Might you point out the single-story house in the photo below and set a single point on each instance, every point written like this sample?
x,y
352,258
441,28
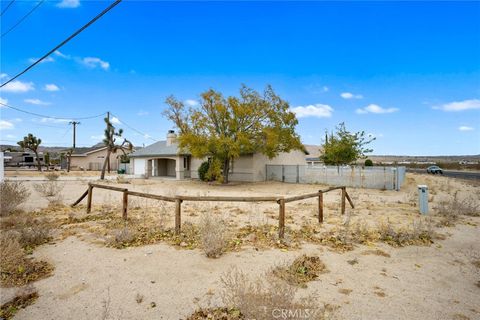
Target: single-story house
x,y
165,159
93,158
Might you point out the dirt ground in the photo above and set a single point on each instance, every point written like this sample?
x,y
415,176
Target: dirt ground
x,y
93,280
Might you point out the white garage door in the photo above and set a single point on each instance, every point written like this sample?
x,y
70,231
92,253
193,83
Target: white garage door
x,y
139,167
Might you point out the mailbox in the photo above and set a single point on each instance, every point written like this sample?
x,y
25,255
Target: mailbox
x,y
423,198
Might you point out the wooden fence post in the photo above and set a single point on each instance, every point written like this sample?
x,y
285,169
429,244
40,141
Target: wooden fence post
x,y
343,199
178,213
125,204
320,207
89,198
281,218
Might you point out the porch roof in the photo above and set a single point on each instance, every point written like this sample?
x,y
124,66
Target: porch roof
x,y
158,149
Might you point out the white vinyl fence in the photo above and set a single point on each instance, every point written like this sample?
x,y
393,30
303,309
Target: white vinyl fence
x,y
384,178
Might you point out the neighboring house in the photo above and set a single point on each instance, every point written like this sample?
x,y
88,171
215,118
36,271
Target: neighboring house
x,y
312,157
93,158
165,159
21,159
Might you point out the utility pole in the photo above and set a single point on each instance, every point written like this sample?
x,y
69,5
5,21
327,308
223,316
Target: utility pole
x,y
74,123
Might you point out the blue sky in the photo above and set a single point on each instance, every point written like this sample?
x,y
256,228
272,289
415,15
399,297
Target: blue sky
x,y
405,72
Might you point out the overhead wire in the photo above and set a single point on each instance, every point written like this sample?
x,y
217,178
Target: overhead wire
x,y
6,8
23,18
147,136
111,6
51,117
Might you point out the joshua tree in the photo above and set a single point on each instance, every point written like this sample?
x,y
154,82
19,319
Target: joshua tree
x,y
31,142
110,142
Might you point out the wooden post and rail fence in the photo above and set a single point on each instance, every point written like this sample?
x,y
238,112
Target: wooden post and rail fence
x,y
178,200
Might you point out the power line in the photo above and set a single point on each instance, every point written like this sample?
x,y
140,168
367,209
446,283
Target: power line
x,y
51,117
6,8
137,131
64,41
23,18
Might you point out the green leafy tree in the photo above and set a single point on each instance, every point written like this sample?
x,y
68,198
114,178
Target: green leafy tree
x,y
224,128
110,141
344,147
32,143
368,163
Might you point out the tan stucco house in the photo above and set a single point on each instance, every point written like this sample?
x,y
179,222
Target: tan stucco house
x,y
93,158
165,159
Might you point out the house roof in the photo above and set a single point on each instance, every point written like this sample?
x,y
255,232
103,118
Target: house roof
x,y
159,148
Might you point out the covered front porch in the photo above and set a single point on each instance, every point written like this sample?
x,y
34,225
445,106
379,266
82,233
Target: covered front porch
x,y
168,167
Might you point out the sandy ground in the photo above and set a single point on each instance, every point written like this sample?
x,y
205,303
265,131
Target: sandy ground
x,y
92,281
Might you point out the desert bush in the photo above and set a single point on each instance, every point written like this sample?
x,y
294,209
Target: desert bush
x,y
219,313
419,233
31,231
202,170
51,190
260,298
16,268
23,298
368,163
451,210
302,270
213,236
52,176
13,194
122,237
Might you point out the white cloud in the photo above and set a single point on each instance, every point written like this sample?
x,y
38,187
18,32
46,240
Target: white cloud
x,y
348,95
51,87
61,55
115,120
325,89
51,120
465,128
6,125
3,75
317,110
191,102
93,62
68,4
18,87
373,108
11,136
47,59
96,138
37,102
4,101
142,113
471,104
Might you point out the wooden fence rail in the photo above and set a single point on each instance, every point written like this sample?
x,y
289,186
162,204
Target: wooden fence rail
x,y
178,200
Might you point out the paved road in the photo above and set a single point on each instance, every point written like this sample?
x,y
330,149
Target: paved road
x,y
469,175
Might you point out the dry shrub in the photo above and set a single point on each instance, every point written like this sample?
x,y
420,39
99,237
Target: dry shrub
x,y
13,194
23,298
219,313
51,190
451,210
213,236
16,268
302,270
267,297
52,176
122,238
419,233
31,231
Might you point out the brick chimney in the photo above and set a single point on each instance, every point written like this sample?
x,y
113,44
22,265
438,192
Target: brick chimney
x,y
171,137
